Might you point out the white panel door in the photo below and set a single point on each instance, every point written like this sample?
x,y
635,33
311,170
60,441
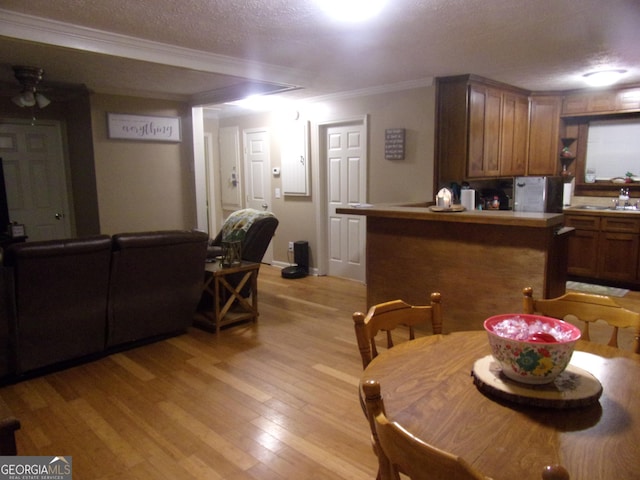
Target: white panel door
x,y
230,186
35,179
257,161
346,175
257,168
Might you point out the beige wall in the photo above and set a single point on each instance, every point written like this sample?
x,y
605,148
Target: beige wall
x,y
389,181
142,185
150,185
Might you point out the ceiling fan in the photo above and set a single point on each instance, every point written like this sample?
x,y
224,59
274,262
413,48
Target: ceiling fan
x,y
29,78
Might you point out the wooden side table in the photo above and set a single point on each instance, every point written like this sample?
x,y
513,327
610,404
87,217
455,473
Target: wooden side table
x,y
217,283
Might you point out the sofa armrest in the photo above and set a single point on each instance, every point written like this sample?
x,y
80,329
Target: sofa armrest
x,y
8,427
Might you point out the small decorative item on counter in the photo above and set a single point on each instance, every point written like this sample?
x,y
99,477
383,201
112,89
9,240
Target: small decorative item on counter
x,y
444,198
495,203
628,177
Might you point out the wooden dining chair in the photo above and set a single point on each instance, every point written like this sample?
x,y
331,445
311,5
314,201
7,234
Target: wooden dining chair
x,y
587,308
390,315
400,451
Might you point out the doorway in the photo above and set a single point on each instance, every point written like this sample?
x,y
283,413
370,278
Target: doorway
x,y
35,178
344,149
257,173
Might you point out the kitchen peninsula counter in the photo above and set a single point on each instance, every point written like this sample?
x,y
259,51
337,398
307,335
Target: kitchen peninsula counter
x,y
478,260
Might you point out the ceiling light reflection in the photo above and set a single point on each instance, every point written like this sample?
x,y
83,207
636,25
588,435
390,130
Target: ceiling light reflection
x,y
604,77
352,10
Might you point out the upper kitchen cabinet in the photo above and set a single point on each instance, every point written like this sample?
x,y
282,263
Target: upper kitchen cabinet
x,y
484,131
481,129
515,125
601,102
544,139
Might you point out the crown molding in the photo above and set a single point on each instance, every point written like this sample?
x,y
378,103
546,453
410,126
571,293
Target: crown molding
x,y
52,32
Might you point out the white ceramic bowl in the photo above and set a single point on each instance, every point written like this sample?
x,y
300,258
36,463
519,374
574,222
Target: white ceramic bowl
x,y
531,348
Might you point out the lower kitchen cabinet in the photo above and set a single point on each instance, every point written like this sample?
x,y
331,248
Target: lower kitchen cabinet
x,y
604,247
618,259
583,254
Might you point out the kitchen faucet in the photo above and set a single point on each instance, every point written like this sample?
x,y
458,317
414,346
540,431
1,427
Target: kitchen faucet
x,y
624,197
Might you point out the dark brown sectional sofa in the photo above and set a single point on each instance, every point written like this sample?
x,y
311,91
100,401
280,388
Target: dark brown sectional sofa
x,y
65,301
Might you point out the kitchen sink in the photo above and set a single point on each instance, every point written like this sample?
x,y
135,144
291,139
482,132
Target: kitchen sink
x,y
591,207
626,209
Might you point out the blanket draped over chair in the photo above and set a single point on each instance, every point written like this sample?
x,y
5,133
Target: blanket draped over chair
x,y
238,223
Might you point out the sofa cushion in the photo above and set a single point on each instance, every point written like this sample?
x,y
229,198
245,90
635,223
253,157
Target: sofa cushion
x,y
60,308
156,282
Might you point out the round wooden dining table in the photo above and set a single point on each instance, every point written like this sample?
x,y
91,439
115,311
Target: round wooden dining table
x,y
427,387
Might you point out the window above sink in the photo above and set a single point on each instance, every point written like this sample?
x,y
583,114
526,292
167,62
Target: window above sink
x,y
613,160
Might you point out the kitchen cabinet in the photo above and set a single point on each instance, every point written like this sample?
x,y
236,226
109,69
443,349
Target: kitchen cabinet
x,y
622,100
583,245
484,131
589,102
544,138
514,133
481,129
604,247
628,100
618,245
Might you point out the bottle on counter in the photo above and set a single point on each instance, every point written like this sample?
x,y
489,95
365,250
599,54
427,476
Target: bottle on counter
x,y
495,203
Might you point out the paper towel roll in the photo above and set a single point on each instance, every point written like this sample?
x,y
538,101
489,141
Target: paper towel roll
x,y
566,194
468,198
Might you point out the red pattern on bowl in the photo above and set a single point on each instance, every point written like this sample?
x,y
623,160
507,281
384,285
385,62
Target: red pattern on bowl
x,y
526,361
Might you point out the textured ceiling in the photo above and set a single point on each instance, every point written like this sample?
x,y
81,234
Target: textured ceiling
x,y
537,45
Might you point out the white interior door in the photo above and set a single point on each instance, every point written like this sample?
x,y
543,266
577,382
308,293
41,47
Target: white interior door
x,y
257,161
35,178
346,177
230,161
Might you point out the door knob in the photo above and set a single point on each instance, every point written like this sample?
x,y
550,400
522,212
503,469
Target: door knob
x,y
265,206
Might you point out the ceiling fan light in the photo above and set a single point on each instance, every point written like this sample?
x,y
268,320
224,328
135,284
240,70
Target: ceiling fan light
x,y
25,99
41,100
29,99
603,78
18,100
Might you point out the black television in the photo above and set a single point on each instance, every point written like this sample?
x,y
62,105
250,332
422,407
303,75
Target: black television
x,y
4,205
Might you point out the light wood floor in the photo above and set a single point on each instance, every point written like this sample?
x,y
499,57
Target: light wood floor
x,y
271,401
276,400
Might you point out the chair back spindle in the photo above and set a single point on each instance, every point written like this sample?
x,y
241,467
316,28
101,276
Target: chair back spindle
x,y
586,308
387,316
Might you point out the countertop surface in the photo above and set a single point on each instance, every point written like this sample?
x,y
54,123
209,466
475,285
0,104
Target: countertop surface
x,y
421,211
599,210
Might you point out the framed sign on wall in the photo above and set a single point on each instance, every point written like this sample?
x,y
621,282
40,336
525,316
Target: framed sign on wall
x,y
143,127
394,141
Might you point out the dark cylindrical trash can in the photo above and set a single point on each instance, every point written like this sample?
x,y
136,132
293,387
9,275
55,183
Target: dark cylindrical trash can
x,y
301,254
301,260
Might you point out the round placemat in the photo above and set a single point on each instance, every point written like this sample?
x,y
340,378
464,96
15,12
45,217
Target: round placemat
x,y
452,208
574,387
